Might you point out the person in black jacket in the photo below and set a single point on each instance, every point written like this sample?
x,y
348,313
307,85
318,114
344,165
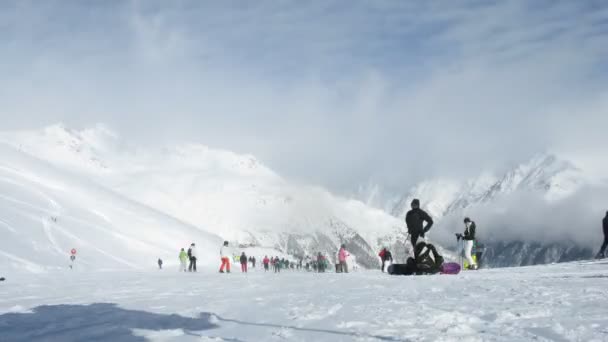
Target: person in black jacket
x,y
605,244
469,239
243,263
415,219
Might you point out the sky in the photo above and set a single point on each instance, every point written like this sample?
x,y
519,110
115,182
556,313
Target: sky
x,y
335,93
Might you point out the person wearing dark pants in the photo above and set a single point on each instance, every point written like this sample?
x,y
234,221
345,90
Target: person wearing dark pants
x,y
192,256
415,220
601,254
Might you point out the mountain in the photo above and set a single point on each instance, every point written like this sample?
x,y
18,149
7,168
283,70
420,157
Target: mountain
x,y
517,213
45,212
221,193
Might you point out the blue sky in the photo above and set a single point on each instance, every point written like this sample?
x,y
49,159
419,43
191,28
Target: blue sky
x,y
328,92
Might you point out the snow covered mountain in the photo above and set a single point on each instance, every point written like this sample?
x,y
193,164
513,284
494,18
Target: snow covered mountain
x,y
504,208
219,192
46,212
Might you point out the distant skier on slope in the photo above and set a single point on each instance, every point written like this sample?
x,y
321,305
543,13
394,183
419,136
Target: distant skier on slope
x,y
253,262
414,220
385,255
192,255
342,255
225,253
469,238
183,260
244,263
601,254
160,263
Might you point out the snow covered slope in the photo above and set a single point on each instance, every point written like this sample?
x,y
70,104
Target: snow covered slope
x,y
564,302
45,212
220,192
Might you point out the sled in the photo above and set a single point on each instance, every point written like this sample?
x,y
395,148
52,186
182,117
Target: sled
x,y
450,268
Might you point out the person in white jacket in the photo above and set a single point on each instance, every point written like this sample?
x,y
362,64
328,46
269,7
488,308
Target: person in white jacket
x,y
225,254
192,255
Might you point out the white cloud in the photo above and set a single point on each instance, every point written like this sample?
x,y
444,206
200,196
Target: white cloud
x,y
322,91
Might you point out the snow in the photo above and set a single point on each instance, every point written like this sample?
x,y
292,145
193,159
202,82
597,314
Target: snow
x,y
223,194
45,212
564,302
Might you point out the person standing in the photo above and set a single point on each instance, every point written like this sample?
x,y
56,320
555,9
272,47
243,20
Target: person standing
x,y
469,238
253,261
342,256
266,263
192,255
415,220
244,263
601,254
160,264
225,257
183,260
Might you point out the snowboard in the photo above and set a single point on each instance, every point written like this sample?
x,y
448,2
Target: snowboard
x,y
398,269
450,268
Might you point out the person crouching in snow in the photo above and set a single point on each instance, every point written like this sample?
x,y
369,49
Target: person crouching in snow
x,y
386,256
225,256
469,238
342,255
243,263
183,259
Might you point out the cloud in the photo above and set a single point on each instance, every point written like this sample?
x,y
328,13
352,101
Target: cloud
x,y
324,92
527,216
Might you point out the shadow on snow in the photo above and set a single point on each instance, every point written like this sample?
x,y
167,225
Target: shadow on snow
x,y
95,322
106,321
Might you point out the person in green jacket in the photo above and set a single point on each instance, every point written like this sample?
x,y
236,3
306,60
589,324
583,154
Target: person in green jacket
x,y
183,260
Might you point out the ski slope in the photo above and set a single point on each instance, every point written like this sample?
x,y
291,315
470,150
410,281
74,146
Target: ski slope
x,y
45,212
565,302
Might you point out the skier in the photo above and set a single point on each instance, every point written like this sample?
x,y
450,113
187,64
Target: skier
x,y
183,259
160,264
266,263
321,263
342,255
601,254
385,256
243,263
468,238
192,256
277,265
253,262
414,220
225,256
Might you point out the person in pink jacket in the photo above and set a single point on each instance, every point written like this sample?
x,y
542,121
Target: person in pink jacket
x,y
342,255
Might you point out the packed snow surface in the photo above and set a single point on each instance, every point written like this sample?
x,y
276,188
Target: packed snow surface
x,y
565,302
